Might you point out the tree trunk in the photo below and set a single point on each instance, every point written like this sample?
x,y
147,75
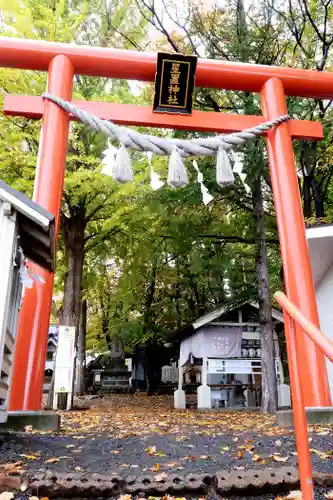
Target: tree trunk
x,y
147,324
74,256
318,198
312,182
74,234
307,205
105,321
79,385
269,387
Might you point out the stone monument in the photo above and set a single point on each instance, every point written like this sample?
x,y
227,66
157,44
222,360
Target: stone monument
x,y
115,376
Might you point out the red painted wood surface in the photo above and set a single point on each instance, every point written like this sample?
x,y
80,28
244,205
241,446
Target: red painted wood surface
x,y
133,65
130,114
34,318
294,249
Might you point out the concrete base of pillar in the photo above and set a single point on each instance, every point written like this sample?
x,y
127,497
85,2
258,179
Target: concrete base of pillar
x,y
179,399
204,397
314,415
40,420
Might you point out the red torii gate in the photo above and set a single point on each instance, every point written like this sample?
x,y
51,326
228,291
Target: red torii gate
x,y
61,61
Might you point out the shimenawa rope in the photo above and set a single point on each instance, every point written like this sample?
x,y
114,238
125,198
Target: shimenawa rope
x,y
177,149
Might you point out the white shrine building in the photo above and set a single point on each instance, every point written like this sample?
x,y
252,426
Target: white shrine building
x,y
320,243
222,352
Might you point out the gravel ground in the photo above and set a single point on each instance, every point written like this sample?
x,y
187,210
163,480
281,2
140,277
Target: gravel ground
x,y
102,453
133,435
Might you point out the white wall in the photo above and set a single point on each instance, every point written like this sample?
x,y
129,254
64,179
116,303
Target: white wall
x,y
324,293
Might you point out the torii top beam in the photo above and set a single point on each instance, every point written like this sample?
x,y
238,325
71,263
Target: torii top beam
x,y
132,65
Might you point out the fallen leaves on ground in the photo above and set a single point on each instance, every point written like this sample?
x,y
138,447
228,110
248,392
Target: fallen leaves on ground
x,y
52,460
6,495
156,468
166,497
321,430
138,414
278,458
12,466
152,452
161,477
321,454
247,447
295,495
23,487
325,432
120,416
9,475
258,458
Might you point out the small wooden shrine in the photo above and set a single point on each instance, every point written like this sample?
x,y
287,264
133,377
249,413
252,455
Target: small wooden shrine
x,y
221,354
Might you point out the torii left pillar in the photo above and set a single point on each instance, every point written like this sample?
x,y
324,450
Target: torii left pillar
x,y
26,390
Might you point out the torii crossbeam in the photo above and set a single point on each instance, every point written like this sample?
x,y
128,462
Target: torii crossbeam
x,y
273,83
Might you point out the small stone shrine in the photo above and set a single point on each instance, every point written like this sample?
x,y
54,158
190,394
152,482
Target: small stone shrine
x,y
114,376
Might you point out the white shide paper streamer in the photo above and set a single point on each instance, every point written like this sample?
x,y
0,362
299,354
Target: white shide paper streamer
x,y
206,196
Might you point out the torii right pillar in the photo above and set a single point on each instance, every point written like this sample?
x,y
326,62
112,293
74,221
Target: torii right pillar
x,y
295,256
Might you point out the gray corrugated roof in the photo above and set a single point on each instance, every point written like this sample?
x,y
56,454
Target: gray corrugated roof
x,y
36,227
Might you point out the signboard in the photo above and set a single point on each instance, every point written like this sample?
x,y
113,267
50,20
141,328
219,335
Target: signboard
x,y
216,366
64,365
174,83
233,366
